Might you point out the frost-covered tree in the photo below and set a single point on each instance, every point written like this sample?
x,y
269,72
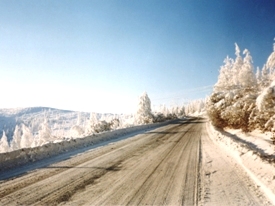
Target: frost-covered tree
x,y
225,80
271,61
4,144
250,104
231,106
44,134
27,137
238,63
195,107
247,77
236,73
266,78
77,130
144,112
16,139
258,77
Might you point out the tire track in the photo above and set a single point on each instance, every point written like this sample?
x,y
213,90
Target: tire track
x,y
145,183
224,181
60,184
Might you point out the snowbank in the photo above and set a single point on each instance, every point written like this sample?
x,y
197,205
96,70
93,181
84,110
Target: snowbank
x,y
254,152
26,155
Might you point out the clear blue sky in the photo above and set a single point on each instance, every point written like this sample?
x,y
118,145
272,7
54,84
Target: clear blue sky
x,y
101,55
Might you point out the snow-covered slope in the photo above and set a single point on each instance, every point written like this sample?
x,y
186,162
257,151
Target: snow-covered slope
x,y
36,126
60,121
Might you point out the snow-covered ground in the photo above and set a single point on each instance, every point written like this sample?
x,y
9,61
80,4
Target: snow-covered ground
x,y
35,126
253,151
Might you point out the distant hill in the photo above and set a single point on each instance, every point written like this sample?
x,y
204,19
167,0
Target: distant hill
x,y
59,120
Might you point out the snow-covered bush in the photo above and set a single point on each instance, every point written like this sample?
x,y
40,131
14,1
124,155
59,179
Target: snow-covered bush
x,y
102,126
76,131
115,123
159,117
262,116
97,126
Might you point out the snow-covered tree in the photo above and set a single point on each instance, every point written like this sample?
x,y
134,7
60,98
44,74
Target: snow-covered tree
x,y
44,134
231,105
195,107
27,137
225,80
144,112
4,145
238,63
271,61
91,123
16,139
265,77
258,77
77,130
247,77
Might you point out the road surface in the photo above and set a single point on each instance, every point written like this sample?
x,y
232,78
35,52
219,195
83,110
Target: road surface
x,y
177,164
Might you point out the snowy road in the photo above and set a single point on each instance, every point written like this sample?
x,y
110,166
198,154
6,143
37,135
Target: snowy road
x,y
177,164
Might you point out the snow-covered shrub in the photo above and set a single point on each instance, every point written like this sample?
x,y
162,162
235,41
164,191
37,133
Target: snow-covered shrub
x,y
115,123
226,111
159,117
102,126
262,116
97,126
144,112
91,124
76,131
215,105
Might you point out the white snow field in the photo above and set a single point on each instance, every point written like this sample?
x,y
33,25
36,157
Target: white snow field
x,y
254,152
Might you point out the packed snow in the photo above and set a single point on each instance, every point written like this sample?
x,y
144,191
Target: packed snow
x,y
253,151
